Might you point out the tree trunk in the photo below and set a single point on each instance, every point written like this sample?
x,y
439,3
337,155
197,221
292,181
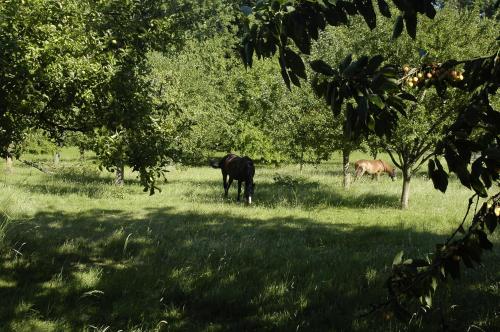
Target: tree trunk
x,y
345,168
8,165
405,195
57,157
82,153
301,158
119,175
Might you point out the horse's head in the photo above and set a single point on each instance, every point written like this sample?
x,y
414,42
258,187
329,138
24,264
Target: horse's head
x,y
214,163
392,174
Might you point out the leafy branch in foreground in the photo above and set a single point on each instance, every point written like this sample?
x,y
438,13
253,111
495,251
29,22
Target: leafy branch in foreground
x,y
419,278
268,28
474,131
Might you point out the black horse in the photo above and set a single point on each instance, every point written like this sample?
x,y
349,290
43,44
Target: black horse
x,y
239,168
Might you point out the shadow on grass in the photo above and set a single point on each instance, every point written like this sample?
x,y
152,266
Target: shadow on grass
x,y
305,194
83,181
202,272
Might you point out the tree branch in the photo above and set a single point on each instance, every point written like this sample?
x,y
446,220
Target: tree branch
x,y
37,166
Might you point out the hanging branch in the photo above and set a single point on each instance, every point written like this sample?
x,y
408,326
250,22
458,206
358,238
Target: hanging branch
x,y
37,166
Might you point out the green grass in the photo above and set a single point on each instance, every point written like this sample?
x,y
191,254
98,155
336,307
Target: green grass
x,y
81,254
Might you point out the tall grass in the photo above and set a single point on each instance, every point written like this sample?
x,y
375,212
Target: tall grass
x,y
6,209
307,256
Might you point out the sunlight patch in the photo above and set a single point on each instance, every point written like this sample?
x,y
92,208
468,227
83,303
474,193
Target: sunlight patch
x,y
89,278
7,283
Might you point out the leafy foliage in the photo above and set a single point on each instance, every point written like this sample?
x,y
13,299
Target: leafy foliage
x,y
270,25
74,66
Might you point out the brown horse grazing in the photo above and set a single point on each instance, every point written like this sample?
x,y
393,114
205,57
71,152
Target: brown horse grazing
x,y
373,167
239,168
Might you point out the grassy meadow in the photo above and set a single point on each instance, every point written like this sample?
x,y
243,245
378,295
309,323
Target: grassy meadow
x,y
79,254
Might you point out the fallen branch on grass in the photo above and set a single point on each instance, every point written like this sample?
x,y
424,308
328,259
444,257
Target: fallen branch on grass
x,y
37,166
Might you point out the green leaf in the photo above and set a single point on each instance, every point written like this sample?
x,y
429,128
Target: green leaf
x,y
374,63
434,283
346,62
438,176
478,187
295,63
483,240
352,69
384,8
398,258
428,300
411,24
430,10
376,100
365,8
335,104
294,78
407,96
322,67
491,222
371,122
398,27
286,78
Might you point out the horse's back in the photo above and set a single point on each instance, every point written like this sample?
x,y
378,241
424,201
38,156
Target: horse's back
x,y
362,163
370,166
240,168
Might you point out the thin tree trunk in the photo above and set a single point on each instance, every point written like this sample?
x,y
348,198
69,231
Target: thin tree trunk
x,y
82,153
301,159
119,175
345,168
8,165
405,195
57,157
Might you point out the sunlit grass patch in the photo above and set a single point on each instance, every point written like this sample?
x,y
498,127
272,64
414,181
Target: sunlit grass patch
x,y
38,324
7,283
88,278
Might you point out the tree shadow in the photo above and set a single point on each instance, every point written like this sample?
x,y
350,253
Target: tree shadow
x,y
73,180
201,271
306,194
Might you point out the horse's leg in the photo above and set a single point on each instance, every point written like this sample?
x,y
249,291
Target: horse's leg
x,y
229,184
373,176
239,190
359,172
356,172
224,183
378,176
